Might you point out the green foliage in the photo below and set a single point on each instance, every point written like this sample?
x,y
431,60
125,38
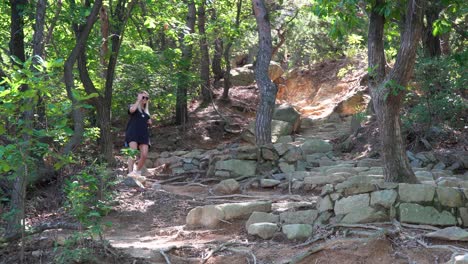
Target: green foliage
x,y
439,100
130,153
73,251
88,194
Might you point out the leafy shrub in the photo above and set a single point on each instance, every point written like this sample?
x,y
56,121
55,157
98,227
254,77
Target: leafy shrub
x,y
88,194
439,100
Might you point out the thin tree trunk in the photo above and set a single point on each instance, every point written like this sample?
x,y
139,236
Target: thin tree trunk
x,y
388,90
205,56
38,53
227,55
216,62
18,194
267,88
185,63
104,50
431,43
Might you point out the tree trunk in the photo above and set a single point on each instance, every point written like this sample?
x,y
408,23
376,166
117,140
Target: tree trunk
x,y
18,194
431,43
388,90
182,83
267,88
104,50
38,52
216,63
205,56
227,55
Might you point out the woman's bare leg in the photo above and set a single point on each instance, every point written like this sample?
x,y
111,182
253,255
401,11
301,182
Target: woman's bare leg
x,y
143,156
131,162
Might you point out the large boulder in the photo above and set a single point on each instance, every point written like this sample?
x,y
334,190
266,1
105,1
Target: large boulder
x,y
244,76
236,168
287,113
418,214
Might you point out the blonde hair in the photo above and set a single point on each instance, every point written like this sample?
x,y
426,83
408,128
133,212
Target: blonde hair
x,y
146,110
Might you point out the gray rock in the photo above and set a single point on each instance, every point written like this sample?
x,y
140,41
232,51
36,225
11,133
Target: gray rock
x,y
299,217
439,166
287,113
464,215
441,173
297,231
321,180
228,186
131,182
449,197
297,185
415,192
385,198
280,128
311,146
240,210
237,167
325,204
337,169
424,174
364,215
206,216
351,203
268,183
327,189
286,167
452,233
418,214
367,162
261,217
285,139
461,259
359,188
281,148
263,230
293,155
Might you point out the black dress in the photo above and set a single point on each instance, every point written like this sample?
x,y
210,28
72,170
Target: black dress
x,y
137,128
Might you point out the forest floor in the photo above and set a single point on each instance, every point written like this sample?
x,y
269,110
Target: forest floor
x,y
148,225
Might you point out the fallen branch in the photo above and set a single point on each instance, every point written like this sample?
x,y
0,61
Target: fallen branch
x,y
174,179
358,226
423,227
454,249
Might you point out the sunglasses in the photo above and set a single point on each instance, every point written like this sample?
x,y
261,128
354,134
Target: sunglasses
x,y
145,97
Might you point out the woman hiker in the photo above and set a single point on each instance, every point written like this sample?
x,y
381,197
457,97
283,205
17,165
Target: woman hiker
x,y
136,134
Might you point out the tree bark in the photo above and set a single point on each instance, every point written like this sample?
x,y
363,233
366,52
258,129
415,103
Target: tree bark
x,y
267,88
104,50
388,90
182,83
205,56
431,43
227,55
216,62
38,54
18,194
